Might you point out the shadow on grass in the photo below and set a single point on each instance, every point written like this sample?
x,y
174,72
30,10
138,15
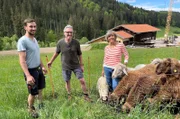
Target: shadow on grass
x,y
51,96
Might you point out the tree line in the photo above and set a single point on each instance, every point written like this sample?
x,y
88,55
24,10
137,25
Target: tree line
x,y
90,18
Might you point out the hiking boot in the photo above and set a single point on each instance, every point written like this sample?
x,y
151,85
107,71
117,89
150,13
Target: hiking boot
x,y
33,112
86,97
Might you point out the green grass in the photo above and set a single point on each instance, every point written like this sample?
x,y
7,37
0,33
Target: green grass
x,y
172,31
14,92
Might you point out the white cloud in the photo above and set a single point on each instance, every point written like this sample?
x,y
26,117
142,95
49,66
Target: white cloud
x,y
150,7
131,1
176,1
156,7
127,1
160,7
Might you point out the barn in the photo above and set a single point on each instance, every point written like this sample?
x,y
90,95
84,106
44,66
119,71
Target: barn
x,y
132,34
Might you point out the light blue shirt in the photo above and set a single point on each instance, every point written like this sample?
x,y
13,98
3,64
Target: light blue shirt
x,y
32,50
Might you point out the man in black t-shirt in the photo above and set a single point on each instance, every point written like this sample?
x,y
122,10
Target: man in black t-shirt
x,y
71,58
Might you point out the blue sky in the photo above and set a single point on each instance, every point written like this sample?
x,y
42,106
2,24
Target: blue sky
x,y
156,5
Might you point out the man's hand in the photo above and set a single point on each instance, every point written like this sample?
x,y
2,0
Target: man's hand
x,y
49,64
82,67
30,80
44,70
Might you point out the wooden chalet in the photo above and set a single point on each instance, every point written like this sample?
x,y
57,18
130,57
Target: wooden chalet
x,y
100,39
124,37
132,34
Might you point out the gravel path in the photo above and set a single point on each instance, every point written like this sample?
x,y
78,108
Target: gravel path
x,y
160,43
15,52
86,47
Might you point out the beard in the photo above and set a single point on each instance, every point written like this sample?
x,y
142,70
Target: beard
x,y
31,33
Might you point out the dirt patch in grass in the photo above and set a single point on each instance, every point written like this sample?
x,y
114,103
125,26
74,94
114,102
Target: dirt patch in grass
x,y
42,50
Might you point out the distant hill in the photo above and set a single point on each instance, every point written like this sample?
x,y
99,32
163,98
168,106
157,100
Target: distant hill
x,y
90,18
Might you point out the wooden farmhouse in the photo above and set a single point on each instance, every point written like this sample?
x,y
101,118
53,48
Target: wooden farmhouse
x,y
132,34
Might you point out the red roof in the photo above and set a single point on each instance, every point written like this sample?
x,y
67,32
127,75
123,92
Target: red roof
x,y
140,28
123,34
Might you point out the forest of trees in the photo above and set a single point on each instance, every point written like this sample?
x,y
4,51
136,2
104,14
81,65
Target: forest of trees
x,y
90,18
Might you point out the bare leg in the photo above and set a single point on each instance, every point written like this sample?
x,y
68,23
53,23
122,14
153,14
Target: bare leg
x,y
83,85
31,100
40,98
68,87
31,108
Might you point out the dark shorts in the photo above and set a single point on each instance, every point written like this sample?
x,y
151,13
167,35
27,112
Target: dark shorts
x,y
39,80
67,73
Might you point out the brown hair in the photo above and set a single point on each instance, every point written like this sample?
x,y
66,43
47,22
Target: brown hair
x,y
28,20
109,33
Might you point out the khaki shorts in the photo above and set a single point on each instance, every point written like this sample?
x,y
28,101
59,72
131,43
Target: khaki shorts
x,y
67,73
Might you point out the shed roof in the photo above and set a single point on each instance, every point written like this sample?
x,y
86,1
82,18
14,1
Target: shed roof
x,y
123,34
138,28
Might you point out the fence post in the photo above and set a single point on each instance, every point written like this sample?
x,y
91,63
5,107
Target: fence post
x,y
89,83
51,81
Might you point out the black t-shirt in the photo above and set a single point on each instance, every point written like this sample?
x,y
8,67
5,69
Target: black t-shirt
x,y
69,54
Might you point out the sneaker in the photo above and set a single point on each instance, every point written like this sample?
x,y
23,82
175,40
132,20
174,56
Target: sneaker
x,y
33,112
41,105
86,97
69,97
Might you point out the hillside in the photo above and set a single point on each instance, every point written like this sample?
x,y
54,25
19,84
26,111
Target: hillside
x,y
90,18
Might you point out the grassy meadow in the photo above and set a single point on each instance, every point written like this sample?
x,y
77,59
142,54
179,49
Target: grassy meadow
x,y
173,31
13,91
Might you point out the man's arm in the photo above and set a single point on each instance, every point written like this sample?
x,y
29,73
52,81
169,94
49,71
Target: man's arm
x,y
52,59
81,62
22,61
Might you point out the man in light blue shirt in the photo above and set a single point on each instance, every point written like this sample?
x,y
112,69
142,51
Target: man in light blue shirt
x,y
29,58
